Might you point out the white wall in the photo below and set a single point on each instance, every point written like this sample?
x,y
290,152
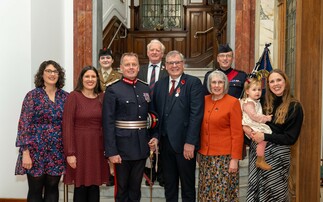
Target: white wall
x,y
115,8
31,31
265,30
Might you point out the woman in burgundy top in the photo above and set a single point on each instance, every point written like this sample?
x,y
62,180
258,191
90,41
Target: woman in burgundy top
x,y
87,168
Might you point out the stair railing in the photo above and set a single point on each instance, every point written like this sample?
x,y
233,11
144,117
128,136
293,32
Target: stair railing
x,y
202,32
114,36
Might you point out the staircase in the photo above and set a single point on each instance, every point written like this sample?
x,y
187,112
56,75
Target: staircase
x,y
107,193
198,72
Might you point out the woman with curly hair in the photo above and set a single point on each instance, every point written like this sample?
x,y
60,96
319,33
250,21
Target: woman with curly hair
x,y
39,137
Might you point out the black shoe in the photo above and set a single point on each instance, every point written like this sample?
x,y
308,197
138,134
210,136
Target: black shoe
x,y
162,183
160,179
111,181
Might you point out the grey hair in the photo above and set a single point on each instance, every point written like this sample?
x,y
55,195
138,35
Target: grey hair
x,y
222,76
173,53
158,42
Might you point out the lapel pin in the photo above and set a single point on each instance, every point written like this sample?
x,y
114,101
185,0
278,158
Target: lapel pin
x,y
178,90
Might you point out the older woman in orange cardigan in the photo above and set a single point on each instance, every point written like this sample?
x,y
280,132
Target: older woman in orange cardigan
x,y
221,143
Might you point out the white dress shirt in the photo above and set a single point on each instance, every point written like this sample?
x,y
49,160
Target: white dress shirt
x,y
150,69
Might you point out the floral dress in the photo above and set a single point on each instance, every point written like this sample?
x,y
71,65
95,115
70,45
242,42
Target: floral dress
x,y
40,131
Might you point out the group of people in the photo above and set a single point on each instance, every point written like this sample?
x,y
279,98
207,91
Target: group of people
x,y
99,133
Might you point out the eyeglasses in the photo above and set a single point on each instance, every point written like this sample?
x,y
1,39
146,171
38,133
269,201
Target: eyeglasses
x,y
48,71
218,83
174,62
225,55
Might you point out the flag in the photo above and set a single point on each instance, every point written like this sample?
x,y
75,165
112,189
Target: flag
x,y
265,60
262,68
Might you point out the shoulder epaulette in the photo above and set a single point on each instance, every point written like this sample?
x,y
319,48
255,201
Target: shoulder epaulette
x,y
142,81
112,82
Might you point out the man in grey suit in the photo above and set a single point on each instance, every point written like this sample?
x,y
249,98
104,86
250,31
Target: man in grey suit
x,y
151,73
179,103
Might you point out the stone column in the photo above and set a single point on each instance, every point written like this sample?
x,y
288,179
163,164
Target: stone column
x,y
82,35
245,35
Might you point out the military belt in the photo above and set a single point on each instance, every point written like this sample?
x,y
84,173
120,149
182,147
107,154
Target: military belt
x,y
131,124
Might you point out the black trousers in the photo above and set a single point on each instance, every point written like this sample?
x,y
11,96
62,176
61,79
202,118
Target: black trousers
x,y
87,193
175,168
129,177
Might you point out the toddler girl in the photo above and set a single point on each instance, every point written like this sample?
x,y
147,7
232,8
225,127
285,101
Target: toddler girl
x,y
253,117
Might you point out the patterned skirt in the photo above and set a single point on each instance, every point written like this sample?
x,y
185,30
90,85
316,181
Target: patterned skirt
x,y
269,186
215,181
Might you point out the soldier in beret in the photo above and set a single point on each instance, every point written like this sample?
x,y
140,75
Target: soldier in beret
x,y
106,73
236,77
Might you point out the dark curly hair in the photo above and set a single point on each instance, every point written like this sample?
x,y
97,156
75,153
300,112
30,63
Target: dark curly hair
x,y
39,80
79,86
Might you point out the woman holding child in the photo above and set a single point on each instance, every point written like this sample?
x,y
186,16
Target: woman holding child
x,y
286,122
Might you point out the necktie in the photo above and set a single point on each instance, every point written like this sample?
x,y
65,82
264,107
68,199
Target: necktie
x,y
172,88
152,77
105,76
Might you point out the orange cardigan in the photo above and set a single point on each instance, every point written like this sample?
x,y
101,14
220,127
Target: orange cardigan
x,y
221,131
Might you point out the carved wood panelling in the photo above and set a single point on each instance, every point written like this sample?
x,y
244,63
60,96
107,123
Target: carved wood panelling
x,y
139,47
198,51
179,44
168,43
196,22
306,155
137,42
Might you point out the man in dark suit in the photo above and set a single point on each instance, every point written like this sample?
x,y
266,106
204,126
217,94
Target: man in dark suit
x,y
127,141
179,103
151,73
236,77
155,53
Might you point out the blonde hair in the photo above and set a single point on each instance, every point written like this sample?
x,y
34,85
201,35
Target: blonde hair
x,y
130,54
287,99
248,83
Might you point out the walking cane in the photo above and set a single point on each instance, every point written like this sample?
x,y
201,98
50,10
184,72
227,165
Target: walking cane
x,y
65,193
151,175
151,169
